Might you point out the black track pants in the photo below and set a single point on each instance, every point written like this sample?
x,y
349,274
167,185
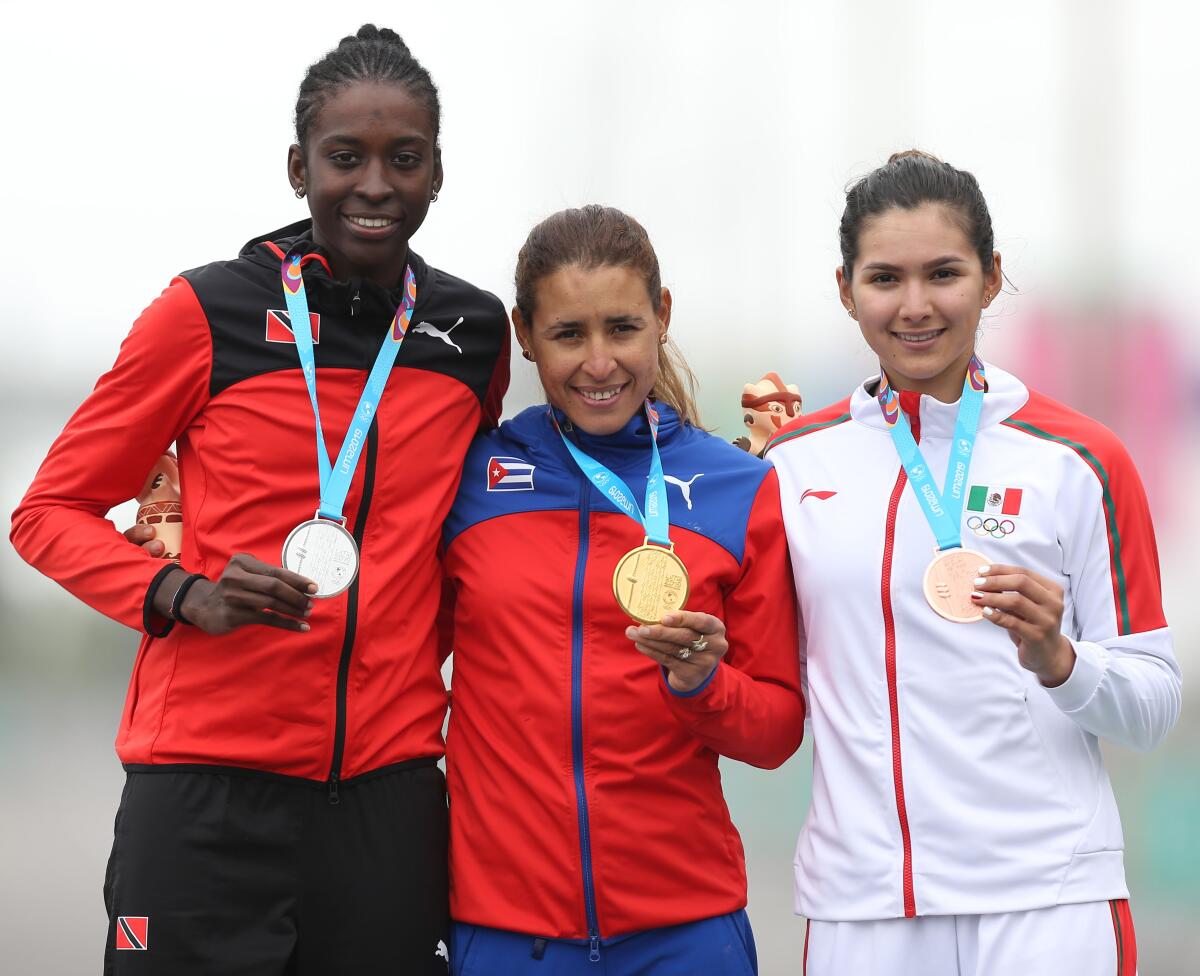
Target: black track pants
x,y
223,871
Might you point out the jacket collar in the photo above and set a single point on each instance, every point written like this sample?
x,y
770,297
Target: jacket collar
x,y
625,448
1005,396
357,294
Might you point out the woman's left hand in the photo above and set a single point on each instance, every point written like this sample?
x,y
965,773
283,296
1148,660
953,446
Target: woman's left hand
x,y
1030,608
687,644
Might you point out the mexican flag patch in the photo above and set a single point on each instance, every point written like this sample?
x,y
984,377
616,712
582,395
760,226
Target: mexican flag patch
x,y
986,500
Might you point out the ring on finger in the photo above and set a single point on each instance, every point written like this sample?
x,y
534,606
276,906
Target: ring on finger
x,y
699,644
684,653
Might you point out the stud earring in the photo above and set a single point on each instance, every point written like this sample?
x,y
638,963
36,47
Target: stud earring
x,y
300,192
525,353
850,312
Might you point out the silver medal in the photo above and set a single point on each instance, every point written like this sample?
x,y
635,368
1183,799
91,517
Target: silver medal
x,y
325,552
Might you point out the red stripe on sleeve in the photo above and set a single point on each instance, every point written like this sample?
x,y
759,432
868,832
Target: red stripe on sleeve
x,y
1133,553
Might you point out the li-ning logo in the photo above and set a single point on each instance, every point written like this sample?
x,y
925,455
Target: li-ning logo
x,y
133,932
813,493
441,951
684,486
425,328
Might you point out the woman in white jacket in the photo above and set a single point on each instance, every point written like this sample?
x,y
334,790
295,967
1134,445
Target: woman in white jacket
x,y
980,600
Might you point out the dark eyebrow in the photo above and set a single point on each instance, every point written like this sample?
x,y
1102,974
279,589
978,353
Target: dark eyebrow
x,y
927,266
610,320
336,139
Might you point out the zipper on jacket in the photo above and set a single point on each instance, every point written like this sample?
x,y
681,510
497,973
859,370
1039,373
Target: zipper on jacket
x,y
889,631
585,837
343,676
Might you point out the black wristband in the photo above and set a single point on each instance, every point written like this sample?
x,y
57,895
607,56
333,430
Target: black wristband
x,y
175,613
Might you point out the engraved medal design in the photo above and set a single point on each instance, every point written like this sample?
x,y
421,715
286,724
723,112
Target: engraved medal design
x,y
949,583
650,581
324,552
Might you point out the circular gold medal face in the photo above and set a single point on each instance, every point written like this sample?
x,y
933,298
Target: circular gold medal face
x,y
949,583
649,581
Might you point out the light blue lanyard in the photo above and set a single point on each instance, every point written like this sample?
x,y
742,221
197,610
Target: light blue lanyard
x,y
335,479
656,521
943,509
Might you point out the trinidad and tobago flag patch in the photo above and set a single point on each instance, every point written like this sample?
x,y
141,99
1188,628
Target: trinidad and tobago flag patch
x,y
509,474
132,932
279,326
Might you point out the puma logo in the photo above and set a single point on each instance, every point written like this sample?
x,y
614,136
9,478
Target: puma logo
x,y
436,333
684,486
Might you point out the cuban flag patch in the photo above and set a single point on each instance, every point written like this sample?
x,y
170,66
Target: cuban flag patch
x,y
509,474
132,932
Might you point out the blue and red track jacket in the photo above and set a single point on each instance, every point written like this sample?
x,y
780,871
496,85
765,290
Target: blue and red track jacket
x,y
585,796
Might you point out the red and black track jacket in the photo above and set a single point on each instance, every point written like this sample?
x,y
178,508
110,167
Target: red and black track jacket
x,y
585,799
212,366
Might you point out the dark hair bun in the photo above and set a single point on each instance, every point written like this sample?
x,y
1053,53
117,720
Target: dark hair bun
x,y
369,32
912,154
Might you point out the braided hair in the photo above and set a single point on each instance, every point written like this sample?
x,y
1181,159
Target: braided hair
x,y
371,54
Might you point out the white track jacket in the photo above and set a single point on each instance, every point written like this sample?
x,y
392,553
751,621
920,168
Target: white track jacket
x,y
946,779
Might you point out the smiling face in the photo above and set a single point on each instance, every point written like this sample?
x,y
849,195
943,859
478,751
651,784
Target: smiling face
x,y
917,289
370,168
595,338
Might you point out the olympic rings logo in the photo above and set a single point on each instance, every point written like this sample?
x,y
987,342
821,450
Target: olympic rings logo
x,y
996,528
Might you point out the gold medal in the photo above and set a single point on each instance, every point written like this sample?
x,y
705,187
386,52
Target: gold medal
x,y
949,583
650,581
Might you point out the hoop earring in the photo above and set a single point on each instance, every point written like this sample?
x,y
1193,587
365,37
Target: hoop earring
x,y
525,353
300,192
433,199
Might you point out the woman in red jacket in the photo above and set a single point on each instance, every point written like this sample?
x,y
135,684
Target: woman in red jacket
x,y
587,818
283,810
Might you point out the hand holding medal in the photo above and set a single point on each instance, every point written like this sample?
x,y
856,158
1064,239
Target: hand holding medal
x,y
1030,607
688,644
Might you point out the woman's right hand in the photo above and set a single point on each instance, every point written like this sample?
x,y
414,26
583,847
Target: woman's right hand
x,y
248,591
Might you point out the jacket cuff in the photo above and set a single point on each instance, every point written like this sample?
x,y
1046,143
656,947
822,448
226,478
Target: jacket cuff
x,y
698,690
1079,689
153,622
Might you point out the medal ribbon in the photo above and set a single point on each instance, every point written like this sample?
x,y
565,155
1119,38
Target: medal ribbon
x,y
656,520
335,479
942,509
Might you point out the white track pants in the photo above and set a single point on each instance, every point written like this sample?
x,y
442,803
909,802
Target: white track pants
x,y
1091,939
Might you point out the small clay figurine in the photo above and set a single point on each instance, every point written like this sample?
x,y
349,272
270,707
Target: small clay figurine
x,y
159,505
769,404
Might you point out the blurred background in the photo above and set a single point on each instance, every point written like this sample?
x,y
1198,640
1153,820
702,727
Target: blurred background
x,y
148,138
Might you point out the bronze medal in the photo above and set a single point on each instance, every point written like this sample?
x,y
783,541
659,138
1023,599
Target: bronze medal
x,y
949,583
650,581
